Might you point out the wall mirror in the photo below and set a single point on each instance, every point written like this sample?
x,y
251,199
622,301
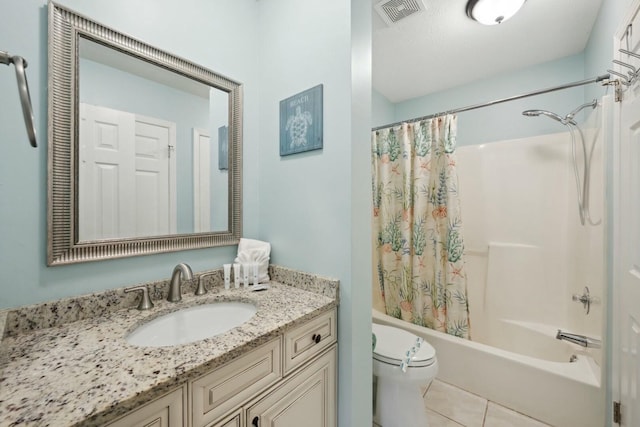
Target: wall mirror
x,y
145,148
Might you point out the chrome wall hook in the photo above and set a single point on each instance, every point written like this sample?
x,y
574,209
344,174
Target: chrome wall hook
x,y
624,64
626,80
632,75
628,52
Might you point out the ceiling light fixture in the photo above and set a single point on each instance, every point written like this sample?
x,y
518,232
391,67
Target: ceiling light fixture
x,y
492,12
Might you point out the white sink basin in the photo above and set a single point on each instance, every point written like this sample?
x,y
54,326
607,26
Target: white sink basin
x,y
191,324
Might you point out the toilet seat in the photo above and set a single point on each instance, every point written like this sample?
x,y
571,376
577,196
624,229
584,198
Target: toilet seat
x,y
392,345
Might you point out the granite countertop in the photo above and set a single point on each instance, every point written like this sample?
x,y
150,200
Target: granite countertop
x,y
85,373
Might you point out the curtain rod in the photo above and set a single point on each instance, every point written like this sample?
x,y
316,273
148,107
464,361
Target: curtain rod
x,y
499,101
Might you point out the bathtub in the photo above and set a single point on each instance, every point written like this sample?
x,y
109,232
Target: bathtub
x,y
547,387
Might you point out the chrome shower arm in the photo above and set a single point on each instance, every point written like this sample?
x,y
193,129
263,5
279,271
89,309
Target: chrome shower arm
x,y
593,104
23,89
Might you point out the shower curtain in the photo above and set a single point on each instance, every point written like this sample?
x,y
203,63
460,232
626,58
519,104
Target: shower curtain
x,y
418,245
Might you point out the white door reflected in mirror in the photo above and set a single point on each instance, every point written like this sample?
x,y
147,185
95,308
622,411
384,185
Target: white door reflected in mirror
x,y
126,175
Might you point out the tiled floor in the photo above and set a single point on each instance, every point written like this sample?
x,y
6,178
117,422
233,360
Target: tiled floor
x,y
449,406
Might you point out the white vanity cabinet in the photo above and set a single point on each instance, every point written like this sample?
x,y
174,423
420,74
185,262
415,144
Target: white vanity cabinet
x,y
290,381
165,411
287,381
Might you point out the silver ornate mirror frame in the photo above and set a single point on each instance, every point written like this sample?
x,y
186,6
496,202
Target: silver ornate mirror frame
x,y
63,246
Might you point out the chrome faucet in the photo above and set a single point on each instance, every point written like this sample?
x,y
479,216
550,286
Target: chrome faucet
x,y
581,340
183,271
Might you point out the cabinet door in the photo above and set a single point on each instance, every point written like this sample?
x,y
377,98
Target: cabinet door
x,y
308,399
166,411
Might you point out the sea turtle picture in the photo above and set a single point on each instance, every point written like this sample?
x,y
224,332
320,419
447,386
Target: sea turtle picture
x,y
297,126
301,122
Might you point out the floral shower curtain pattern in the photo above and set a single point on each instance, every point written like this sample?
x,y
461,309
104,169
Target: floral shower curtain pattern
x,y
417,225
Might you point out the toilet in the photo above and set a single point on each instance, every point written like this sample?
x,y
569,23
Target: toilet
x,y
398,395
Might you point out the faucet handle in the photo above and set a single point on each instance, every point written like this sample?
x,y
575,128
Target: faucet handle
x,y
145,301
585,299
201,290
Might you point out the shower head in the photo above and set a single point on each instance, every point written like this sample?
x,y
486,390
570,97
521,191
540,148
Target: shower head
x,y
566,120
535,113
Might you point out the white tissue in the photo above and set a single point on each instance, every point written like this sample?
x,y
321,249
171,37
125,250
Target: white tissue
x,y
255,251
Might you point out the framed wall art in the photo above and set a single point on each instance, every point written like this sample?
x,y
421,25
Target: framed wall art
x,y
301,122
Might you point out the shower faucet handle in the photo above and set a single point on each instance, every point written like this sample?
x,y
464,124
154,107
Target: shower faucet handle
x,y
585,299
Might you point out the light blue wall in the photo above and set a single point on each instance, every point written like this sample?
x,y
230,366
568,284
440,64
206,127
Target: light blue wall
x,y
505,121
194,29
383,110
305,200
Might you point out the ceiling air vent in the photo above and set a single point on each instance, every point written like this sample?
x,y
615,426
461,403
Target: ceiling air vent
x,y
392,11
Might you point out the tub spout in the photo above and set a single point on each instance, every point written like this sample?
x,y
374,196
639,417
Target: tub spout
x,y
581,340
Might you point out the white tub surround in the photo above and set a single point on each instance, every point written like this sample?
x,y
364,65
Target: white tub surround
x,y
528,259
61,372
526,252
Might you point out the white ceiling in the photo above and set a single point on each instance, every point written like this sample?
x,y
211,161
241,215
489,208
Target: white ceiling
x,y
441,47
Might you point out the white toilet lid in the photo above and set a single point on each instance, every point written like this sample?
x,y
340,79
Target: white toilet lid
x,y
392,345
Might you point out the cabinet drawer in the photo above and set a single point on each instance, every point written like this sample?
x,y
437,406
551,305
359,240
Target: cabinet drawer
x,y
226,388
304,342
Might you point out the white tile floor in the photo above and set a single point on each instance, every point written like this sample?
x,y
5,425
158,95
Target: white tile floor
x,y
449,406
